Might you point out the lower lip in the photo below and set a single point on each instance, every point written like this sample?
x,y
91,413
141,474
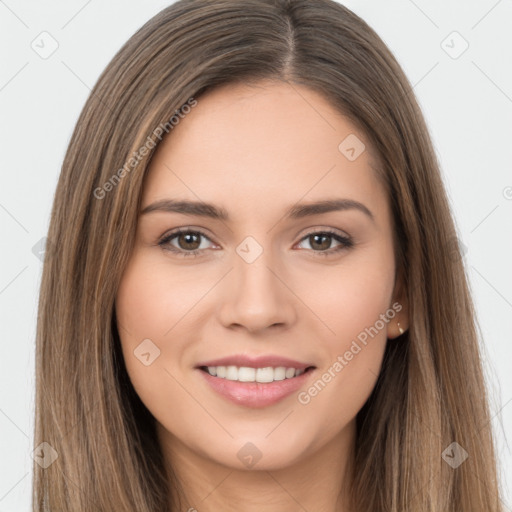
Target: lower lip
x,y
256,394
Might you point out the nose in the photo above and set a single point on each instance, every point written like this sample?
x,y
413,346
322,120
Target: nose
x,y
256,296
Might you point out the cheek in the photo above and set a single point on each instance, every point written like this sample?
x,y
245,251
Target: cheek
x,y
139,306
157,304
350,299
355,310
143,315
151,298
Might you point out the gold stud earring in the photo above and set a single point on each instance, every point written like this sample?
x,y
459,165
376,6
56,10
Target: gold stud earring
x,y
399,328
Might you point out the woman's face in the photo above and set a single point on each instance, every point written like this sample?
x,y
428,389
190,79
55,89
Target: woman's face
x,y
266,281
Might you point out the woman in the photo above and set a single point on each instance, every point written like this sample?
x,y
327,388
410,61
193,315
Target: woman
x,y
261,302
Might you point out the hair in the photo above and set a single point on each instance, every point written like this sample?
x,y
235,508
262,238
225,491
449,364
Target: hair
x,y
431,390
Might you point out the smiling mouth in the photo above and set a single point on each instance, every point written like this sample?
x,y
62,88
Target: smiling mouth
x,y
261,375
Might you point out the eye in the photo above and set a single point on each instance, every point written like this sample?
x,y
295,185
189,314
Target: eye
x,y
189,242
322,240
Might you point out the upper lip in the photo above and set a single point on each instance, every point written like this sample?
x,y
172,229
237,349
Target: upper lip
x,y
264,361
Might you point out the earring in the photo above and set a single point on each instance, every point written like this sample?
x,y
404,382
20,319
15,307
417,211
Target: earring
x,y
399,328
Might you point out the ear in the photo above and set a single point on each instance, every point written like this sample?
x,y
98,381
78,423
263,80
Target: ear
x,y
400,297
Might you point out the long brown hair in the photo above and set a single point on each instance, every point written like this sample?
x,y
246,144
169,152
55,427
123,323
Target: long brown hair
x,y
431,391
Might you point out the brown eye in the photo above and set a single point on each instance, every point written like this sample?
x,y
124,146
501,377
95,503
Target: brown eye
x,y
187,242
320,242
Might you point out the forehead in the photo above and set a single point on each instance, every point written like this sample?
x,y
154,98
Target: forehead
x,y
250,147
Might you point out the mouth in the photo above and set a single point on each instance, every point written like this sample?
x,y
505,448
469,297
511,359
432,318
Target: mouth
x,y
249,374
255,388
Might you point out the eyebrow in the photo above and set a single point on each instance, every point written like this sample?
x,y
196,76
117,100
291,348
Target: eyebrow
x,y
298,211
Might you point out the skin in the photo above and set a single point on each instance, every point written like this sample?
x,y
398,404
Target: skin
x,y
256,151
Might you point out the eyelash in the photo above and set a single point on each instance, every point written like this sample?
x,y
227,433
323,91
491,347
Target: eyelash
x,y
346,242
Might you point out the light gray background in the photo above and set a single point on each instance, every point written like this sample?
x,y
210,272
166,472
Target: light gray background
x,y
467,102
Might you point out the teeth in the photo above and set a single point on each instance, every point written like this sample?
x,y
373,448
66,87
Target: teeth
x,y
246,374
